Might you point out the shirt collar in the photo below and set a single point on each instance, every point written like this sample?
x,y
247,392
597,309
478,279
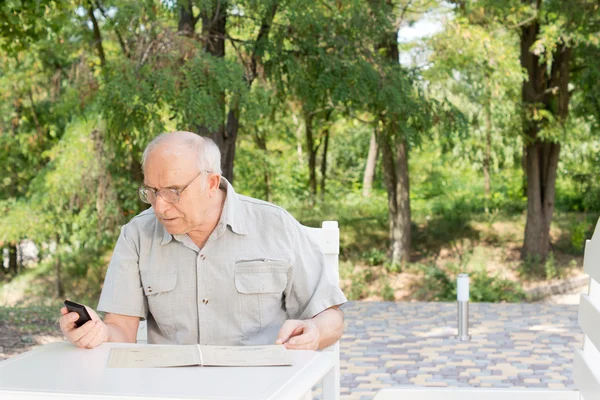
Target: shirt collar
x,y
231,215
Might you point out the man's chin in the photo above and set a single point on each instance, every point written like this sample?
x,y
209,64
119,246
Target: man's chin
x,y
172,226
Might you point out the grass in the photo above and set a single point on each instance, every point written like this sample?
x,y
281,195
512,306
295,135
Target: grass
x,y
32,319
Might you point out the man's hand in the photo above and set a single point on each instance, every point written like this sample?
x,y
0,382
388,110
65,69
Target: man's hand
x,y
89,335
298,334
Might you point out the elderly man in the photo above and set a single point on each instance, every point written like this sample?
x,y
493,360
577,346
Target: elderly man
x,y
206,265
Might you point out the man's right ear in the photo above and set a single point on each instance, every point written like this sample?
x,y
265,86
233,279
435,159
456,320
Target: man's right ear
x,y
214,182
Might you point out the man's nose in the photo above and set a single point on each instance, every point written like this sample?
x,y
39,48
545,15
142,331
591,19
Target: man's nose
x,y
160,205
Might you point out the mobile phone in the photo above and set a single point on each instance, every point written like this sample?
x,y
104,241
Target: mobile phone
x,y
84,316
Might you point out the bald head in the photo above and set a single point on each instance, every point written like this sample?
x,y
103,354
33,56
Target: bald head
x,y
180,144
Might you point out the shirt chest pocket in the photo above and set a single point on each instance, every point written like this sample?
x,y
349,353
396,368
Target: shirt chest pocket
x,y
260,285
159,289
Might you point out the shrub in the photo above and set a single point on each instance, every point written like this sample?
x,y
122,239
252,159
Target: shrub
x,y
440,285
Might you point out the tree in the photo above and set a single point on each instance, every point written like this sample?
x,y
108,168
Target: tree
x,y
475,66
370,166
402,114
551,34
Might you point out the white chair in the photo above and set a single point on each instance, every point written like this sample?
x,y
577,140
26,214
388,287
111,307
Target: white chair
x,y
328,236
586,371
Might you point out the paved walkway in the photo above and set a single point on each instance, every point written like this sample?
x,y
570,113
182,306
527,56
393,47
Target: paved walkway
x,y
512,345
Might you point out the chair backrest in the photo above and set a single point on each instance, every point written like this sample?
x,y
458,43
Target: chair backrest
x,y
586,371
328,236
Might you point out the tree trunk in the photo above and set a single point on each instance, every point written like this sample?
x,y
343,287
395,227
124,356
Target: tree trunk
x,y
541,164
312,156
261,42
214,23
2,270
60,290
20,263
488,152
216,46
547,90
261,143
97,34
326,133
214,34
370,167
13,265
187,22
117,32
299,152
395,172
394,150
137,175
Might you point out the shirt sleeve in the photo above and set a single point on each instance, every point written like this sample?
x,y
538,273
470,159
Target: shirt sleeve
x,y
313,285
122,292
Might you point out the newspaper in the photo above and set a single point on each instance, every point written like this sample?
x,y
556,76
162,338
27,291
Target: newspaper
x,y
156,356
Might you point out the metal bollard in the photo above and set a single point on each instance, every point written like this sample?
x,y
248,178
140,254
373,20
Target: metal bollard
x,y
462,297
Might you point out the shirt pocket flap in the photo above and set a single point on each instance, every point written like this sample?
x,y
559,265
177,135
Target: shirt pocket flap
x,y
257,277
155,283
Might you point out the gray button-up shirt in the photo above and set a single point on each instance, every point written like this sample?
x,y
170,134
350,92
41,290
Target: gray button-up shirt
x,y
257,269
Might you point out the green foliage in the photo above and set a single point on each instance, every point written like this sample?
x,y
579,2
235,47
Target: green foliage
x,y
387,292
533,268
359,285
440,285
550,267
436,285
374,257
477,68
73,125
579,234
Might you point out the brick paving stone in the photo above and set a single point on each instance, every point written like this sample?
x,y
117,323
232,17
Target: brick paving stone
x,y
513,345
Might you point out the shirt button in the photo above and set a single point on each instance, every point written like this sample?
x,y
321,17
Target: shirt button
x,y
205,301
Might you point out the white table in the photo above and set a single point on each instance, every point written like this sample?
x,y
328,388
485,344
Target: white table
x,y
63,371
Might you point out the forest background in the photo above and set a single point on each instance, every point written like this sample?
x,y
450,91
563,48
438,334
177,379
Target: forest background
x,y
478,153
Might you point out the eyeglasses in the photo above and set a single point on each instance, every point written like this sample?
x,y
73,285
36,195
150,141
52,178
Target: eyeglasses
x,y
170,195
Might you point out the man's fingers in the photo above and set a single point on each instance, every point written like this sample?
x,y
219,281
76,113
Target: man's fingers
x,y
306,346
78,333
307,341
92,313
298,331
289,329
300,340
286,330
97,341
67,321
101,336
91,336
307,336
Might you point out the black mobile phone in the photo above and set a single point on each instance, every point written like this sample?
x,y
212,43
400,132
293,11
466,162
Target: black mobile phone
x,y
84,316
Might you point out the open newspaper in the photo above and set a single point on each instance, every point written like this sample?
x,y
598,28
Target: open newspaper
x,y
153,356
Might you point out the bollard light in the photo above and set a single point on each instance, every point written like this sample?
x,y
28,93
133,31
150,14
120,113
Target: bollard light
x,y
462,297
